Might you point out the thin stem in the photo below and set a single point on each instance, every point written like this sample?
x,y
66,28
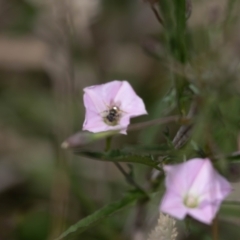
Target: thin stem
x,y
83,138
127,176
215,229
181,137
187,222
158,121
157,14
108,143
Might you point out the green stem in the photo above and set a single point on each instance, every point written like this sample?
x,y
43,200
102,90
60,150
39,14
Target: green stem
x,y
229,11
174,17
215,229
108,143
127,176
157,14
187,222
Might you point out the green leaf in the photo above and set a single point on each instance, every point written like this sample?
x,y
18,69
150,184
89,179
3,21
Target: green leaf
x,y
157,148
234,158
230,209
102,213
120,156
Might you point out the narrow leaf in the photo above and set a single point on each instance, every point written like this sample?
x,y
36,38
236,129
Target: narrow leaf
x,y
102,213
230,209
120,156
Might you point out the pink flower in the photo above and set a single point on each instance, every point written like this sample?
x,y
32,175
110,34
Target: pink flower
x,y
110,106
195,188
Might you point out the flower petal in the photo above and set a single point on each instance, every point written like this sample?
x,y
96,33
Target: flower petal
x,y
93,122
92,99
195,179
130,102
109,91
209,184
181,176
101,98
204,213
124,122
172,204
204,179
104,93
223,187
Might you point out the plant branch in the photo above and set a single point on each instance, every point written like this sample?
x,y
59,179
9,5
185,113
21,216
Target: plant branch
x,y
181,137
127,176
157,15
158,121
215,229
82,138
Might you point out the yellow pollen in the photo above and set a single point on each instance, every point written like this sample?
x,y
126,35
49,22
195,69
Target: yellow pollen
x,y
191,201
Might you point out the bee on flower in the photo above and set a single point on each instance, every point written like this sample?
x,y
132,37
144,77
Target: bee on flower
x,y
110,106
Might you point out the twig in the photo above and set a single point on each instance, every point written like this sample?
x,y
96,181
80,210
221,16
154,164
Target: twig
x,y
180,139
132,182
157,15
59,67
158,121
181,136
184,131
82,138
215,229
127,176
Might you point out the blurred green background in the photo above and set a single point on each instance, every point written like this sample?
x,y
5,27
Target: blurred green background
x,y
49,51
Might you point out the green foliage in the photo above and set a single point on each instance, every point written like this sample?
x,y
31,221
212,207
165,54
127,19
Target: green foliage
x,y
162,107
193,61
26,16
102,213
34,226
153,149
20,112
121,156
230,209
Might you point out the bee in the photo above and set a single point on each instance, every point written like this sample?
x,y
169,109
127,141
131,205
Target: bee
x,y
112,116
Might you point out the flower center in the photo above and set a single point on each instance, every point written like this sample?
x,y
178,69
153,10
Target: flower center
x,y
190,201
112,116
